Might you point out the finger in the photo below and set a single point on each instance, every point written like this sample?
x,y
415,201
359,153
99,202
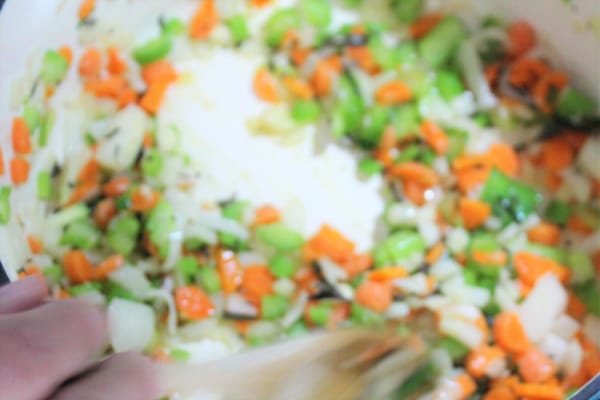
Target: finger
x,y
23,294
125,376
43,347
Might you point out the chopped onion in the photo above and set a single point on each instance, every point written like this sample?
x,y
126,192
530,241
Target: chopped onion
x,y
284,287
463,331
548,295
565,327
130,325
332,273
588,156
474,75
554,347
296,310
235,304
132,279
174,254
573,357
457,240
445,268
397,310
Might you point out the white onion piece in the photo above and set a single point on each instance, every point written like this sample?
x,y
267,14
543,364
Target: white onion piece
x,y
444,269
573,357
295,311
397,310
541,308
130,325
174,254
565,327
463,331
236,304
474,75
132,279
588,156
554,347
284,286
457,240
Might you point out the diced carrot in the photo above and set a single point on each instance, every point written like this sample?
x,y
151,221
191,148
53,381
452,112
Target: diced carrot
x,y
86,8
330,242
363,57
435,137
578,224
265,86
500,393
497,258
553,181
384,156
77,266
90,171
544,233
153,98
545,86
424,24
374,295
125,97
339,314
307,279
19,170
242,326
117,186
266,215
2,168
62,295
35,244
394,92
144,199
356,263
67,53
388,138
525,72
388,274
509,333
30,270
435,253
108,266
148,141
85,190
116,65
260,3
90,63
110,87
474,212
535,366
492,73
299,55
467,385
556,155
575,307
504,157
539,391
415,172
192,303
20,136
204,20
414,192
159,71
480,359
471,161
325,72
298,87
530,267
104,212
469,179
257,281
522,37
229,270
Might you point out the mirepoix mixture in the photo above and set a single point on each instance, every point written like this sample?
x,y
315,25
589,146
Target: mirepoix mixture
x,y
490,160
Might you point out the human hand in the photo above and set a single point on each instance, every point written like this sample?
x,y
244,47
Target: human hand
x,y
47,351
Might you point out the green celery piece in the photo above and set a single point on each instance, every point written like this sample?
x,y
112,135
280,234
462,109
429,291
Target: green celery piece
x,y
558,212
174,27
363,316
406,120
456,349
54,67
349,108
69,215
279,23
47,126
449,84
440,44
53,273
574,105
180,355
386,57
5,205
188,267
153,50
273,306
397,247
374,123
160,224
320,313
421,380
32,117
553,253
44,186
407,11
282,266
421,81
369,167
510,199
84,288
231,241
114,289
298,329
82,234
234,210
458,141
306,111
582,266
483,242
407,53
152,163
279,237
209,279
353,3
317,12
238,26
122,234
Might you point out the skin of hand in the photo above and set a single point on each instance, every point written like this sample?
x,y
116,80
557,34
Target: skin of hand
x,y
48,351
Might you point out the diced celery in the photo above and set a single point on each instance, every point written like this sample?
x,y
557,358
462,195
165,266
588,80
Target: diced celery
x,y
54,67
511,200
279,23
209,279
407,10
44,185
365,317
279,237
238,26
82,234
440,44
282,266
5,205
581,265
369,167
317,12
399,246
574,105
273,306
153,50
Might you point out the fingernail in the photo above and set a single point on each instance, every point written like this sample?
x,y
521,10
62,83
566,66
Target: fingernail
x,y
34,283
